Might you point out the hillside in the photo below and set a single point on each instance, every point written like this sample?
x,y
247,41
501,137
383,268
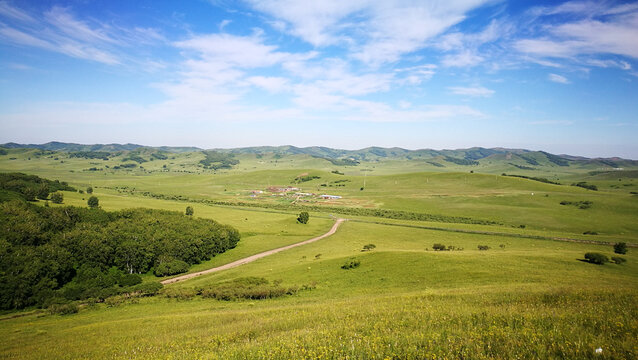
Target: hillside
x,y
454,260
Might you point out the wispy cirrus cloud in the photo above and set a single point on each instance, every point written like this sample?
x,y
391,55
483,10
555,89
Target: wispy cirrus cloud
x,y
15,13
59,30
477,91
383,32
597,29
558,79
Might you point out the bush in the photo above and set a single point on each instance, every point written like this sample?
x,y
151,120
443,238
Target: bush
x,y
303,217
146,289
179,293
618,259
589,232
483,247
57,198
253,288
171,268
596,258
351,264
89,190
620,248
130,280
585,185
189,211
63,309
93,202
438,247
368,247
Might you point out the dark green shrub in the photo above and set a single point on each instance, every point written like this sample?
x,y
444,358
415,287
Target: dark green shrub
x,y
438,247
596,258
89,190
43,192
130,280
585,185
620,248
589,232
146,289
63,309
618,259
483,247
351,264
189,211
179,293
57,198
93,202
253,288
368,247
303,217
171,268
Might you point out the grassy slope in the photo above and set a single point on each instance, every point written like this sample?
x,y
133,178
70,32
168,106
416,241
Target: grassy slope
x,y
531,299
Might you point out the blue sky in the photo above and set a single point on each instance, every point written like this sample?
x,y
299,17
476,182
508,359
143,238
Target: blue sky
x,y
555,76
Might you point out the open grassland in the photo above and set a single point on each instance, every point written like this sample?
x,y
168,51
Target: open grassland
x,y
522,298
530,299
509,201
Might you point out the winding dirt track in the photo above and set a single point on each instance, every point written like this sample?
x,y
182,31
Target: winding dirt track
x,y
252,258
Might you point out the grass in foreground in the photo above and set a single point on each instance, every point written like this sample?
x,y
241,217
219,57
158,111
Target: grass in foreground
x,y
531,299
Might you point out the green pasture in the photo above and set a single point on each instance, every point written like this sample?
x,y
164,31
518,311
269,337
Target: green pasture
x,y
530,299
523,298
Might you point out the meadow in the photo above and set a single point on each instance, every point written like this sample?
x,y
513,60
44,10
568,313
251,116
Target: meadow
x,y
524,297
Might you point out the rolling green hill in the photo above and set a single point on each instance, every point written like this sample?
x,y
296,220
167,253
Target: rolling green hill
x,y
512,281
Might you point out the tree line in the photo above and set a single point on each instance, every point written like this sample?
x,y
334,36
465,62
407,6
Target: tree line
x,y
50,255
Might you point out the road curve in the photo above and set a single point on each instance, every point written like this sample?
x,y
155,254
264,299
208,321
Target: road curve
x,y
252,258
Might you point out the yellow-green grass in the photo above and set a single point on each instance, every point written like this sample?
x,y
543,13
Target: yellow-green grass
x,y
528,299
510,201
531,299
260,230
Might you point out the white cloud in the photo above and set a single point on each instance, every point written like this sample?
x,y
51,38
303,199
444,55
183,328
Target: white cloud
x,y
58,30
272,84
317,22
609,64
558,79
240,51
9,11
464,59
62,19
415,75
223,24
383,30
478,91
552,122
601,30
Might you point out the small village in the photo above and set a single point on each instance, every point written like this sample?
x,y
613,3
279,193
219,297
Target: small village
x,y
291,191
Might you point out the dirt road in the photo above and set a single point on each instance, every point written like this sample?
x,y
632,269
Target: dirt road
x,y
253,257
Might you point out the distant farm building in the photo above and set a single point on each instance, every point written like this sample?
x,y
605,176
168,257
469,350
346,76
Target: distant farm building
x,y
331,197
304,194
276,189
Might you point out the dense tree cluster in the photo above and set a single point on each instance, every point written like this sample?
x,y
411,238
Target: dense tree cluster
x,y
90,154
303,217
69,253
216,160
29,187
458,161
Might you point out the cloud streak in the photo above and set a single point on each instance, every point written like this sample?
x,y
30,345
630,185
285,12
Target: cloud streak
x,y
558,79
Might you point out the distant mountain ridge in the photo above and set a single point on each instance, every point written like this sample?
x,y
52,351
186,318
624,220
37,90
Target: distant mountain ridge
x,y
458,156
69,147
